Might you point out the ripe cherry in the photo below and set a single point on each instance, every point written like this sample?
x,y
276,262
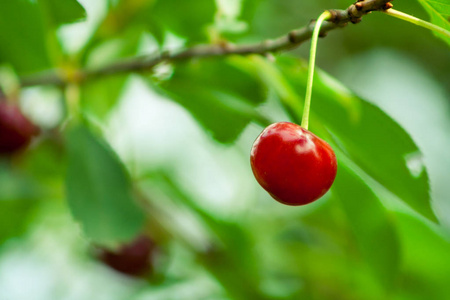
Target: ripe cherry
x,y
292,164
133,259
16,131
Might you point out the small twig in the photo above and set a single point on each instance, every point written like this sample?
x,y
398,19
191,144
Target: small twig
x,y
293,39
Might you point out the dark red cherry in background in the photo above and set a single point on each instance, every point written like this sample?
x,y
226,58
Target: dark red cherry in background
x,y
292,164
16,131
133,259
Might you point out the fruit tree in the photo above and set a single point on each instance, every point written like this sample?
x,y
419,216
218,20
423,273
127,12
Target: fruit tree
x,y
224,149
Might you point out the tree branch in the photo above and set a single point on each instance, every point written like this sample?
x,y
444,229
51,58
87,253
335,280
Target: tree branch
x,y
293,39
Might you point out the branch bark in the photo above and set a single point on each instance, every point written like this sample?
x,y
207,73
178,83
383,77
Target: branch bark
x,y
340,18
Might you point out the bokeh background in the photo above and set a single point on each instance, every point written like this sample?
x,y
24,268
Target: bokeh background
x,y
219,235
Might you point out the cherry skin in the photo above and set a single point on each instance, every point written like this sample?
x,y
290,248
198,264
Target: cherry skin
x,y
16,131
292,164
133,259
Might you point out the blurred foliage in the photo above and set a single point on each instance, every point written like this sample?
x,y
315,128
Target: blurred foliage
x,y
375,235
226,97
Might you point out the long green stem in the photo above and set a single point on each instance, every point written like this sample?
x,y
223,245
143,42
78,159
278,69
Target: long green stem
x,y
416,21
312,60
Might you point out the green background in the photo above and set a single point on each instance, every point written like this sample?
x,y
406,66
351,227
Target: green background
x,y
166,153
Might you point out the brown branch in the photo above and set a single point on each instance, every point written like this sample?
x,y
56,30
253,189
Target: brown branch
x,y
293,39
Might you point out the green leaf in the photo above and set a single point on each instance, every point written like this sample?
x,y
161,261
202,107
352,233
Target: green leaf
x,y
15,216
59,12
22,36
191,24
370,222
99,191
380,146
439,11
426,262
219,95
186,19
19,197
248,10
100,96
376,143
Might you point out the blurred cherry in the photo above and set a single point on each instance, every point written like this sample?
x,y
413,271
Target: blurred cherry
x,y
16,131
133,259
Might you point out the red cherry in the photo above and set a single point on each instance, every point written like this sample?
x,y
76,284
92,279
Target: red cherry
x,y
132,259
16,131
295,166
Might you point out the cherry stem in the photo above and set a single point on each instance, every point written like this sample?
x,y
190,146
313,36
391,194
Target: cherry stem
x,y
312,60
416,21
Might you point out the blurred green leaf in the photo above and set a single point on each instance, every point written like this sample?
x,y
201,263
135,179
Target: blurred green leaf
x,y
46,163
248,9
103,50
218,94
119,32
426,258
18,197
16,186
191,23
22,36
15,216
99,190
100,96
187,19
370,222
370,137
60,12
439,11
